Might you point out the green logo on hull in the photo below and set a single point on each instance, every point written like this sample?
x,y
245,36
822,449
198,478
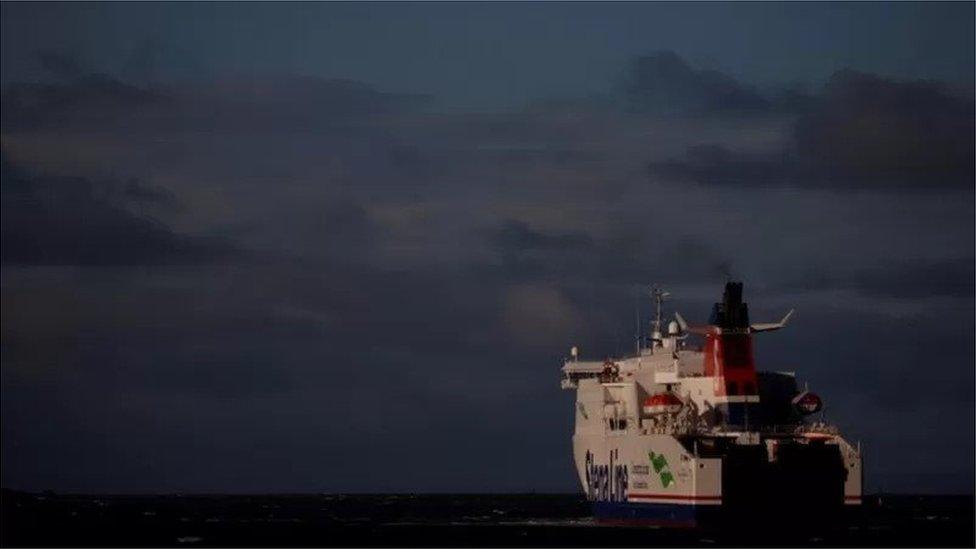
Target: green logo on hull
x,y
660,464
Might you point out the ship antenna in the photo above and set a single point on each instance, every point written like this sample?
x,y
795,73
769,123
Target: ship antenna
x,y
658,294
638,317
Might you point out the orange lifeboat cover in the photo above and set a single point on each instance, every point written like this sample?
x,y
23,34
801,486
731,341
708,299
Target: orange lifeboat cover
x,y
663,399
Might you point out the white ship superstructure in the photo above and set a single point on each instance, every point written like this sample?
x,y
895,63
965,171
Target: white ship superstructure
x,y
678,433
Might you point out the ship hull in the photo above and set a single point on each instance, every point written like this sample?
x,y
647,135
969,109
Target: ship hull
x,y
729,520
662,480
635,513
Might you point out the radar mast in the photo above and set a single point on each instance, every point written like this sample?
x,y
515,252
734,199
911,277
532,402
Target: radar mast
x,y
658,295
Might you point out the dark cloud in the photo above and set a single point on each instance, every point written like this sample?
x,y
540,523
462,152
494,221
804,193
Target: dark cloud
x,y
625,257
640,259
518,236
877,130
90,100
60,65
50,220
86,100
287,102
134,191
864,132
713,164
902,280
664,83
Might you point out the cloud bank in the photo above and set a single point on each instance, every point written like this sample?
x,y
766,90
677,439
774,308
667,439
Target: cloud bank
x,y
284,280
862,132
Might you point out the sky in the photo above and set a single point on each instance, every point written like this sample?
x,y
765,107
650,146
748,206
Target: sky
x,y
345,247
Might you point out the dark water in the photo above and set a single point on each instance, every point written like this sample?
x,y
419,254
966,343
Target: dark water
x,y
442,520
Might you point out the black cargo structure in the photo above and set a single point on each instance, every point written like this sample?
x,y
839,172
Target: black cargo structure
x,y
796,476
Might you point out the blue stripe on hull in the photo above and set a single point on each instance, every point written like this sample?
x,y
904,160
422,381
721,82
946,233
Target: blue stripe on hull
x,y
664,514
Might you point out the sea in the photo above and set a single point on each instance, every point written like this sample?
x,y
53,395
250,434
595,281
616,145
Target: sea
x,y
445,520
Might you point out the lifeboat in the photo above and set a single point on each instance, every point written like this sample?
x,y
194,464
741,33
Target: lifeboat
x,y
662,403
807,403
